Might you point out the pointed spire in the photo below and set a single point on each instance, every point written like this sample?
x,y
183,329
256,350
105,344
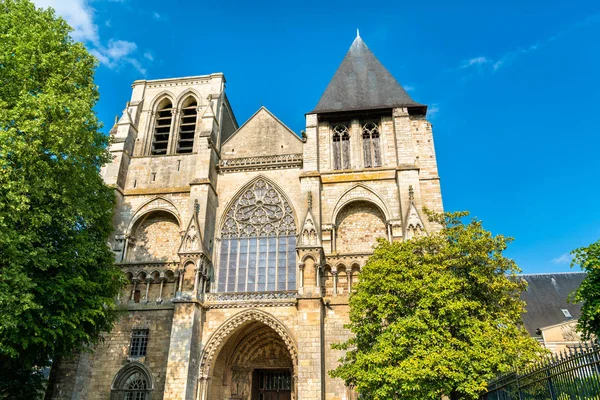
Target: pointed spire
x,y
363,83
113,130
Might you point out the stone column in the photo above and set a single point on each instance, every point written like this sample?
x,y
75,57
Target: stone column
x,y
148,282
335,281
162,284
134,281
310,341
182,363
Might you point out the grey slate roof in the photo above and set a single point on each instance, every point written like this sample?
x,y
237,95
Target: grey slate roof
x,y
363,83
546,295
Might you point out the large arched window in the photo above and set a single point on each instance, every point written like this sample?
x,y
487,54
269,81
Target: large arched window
x,y
133,382
258,242
162,128
187,126
341,147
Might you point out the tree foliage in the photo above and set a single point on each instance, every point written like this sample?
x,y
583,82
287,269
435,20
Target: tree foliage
x,y
57,275
588,258
436,315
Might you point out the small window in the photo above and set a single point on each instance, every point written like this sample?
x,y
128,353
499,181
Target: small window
x,y
566,313
139,342
371,146
187,127
341,147
136,296
162,128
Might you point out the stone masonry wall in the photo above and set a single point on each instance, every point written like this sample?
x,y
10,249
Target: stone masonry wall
x,y
359,224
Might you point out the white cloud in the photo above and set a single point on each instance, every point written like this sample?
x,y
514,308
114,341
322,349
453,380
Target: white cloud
x,y
475,61
117,49
118,52
80,15
505,59
432,110
148,56
107,23
563,259
156,15
409,88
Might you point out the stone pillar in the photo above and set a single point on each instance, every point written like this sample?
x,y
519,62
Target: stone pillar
x,y
335,281
182,364
162,284
310,342
148,282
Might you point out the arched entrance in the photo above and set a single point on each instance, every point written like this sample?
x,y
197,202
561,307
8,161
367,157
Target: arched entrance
x,y
252,356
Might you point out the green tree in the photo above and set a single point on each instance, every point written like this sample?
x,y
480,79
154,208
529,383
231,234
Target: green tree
x,y
57,275
588,293
436,315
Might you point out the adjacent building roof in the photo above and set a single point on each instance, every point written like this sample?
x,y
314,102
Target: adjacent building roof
x,y
546,297
363,83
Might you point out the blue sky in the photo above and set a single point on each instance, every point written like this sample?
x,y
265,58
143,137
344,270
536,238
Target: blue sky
x,y
512,89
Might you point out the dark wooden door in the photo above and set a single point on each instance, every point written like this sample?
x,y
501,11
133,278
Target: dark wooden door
x,y
271,385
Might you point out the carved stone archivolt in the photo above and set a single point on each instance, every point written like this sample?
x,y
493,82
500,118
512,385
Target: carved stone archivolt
x,y
218,339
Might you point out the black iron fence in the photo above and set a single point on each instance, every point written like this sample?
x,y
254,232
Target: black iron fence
x,y
573,374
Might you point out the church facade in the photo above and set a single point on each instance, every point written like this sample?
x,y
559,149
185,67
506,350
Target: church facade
x,y
241,244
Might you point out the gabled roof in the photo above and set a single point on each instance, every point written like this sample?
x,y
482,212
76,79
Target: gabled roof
x,y
363,83
265,111
546,297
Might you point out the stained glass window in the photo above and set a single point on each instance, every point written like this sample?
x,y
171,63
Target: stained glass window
x,y
258,243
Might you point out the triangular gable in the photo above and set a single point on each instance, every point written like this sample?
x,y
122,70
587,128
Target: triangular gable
x,y
262,134
414,225
192,239
310,232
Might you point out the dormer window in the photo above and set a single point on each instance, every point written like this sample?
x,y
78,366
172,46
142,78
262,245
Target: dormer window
x,y
187,126
371,147
341,147
162,128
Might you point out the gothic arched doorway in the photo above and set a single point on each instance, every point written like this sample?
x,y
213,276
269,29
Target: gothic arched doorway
x,y
253,358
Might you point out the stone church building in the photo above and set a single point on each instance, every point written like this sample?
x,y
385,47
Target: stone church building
x,y
241,243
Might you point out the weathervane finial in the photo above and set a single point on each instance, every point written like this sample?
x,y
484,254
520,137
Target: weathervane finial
x,y
357,33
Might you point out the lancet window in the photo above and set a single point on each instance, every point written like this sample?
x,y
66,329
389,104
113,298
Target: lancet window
x,y
341,147
187,126
258,243
371,147
162,128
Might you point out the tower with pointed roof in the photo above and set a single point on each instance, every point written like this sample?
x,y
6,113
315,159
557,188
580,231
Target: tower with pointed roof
x,y
241,244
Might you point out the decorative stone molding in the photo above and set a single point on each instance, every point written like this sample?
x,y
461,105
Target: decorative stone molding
x,y
218,339
264,162
250,299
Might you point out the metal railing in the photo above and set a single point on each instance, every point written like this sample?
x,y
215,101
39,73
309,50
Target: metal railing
x,y
573,374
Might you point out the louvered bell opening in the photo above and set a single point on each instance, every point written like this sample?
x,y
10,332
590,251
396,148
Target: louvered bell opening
x,y
187,129
160,141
